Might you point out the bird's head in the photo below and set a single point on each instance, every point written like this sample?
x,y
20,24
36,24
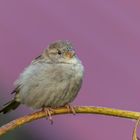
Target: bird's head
x,y
60,51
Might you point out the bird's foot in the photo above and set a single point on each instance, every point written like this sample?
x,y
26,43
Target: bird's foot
x,y
48,112
71,109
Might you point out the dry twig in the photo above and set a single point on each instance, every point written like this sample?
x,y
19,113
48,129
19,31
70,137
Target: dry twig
x,y
78,109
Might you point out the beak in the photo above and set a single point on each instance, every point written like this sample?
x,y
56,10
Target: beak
x,y
70,54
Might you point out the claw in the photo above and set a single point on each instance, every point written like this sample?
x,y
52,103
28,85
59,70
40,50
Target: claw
x,y
71,109
48,112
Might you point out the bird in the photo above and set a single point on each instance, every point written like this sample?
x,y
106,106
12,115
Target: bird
x,y
52,80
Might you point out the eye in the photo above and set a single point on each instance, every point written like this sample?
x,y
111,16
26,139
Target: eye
x,y
59,52
69,49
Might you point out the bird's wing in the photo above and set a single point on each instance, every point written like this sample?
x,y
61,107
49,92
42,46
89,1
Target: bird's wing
x,y
13,104
37,59
16,90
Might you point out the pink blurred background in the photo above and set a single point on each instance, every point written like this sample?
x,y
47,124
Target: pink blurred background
x,y
105,34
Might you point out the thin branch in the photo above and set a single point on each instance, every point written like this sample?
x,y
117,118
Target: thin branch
x,y
78,109
134,136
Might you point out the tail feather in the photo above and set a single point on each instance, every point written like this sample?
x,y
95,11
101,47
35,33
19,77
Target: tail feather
x,y
10,106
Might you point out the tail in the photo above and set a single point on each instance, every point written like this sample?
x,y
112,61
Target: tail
x,y
10,106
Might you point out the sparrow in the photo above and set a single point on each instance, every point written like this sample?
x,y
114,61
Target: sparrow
x,y
52,80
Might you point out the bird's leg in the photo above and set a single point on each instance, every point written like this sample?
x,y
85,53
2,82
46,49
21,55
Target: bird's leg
x,y
48,112
71,109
